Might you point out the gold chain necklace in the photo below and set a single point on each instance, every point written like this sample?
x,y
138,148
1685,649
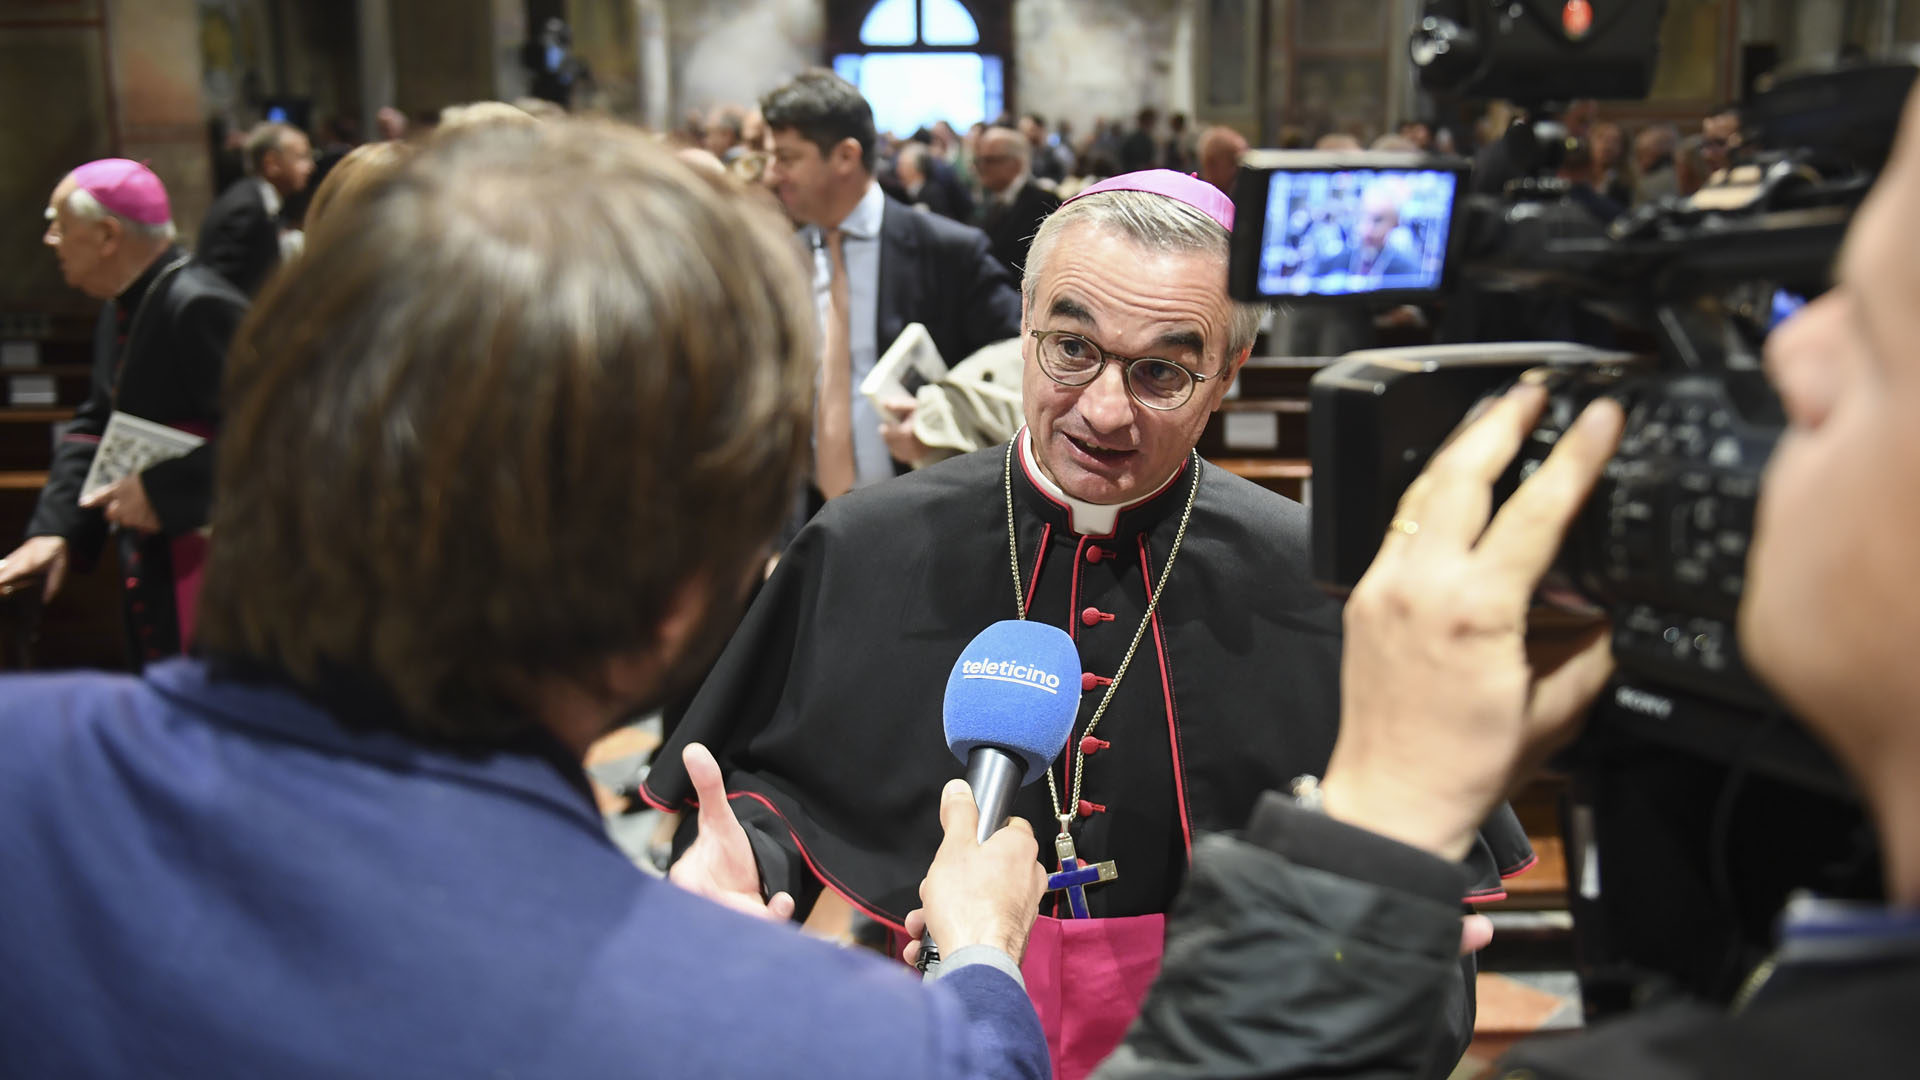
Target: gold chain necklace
x,y
1065,811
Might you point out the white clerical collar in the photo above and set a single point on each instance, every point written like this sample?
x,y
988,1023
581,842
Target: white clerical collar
x,y
269,196
1085,518
1006,197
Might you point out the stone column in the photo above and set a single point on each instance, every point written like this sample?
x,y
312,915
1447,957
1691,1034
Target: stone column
x,y
654,45
1818,31
376,62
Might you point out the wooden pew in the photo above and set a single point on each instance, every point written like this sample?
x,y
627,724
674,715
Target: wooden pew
x,y
82,627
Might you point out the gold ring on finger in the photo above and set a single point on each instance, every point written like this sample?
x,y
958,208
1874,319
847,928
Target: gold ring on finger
x,y
1407,526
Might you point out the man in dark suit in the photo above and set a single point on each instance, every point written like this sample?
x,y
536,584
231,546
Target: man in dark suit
x,y
926,181
1015,204
242,236
159,351
878,266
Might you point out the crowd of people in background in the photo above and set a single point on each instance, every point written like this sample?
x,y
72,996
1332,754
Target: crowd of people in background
x,y
975,176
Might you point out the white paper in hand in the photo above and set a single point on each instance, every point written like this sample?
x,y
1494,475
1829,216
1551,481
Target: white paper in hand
x,y
911,362
131,445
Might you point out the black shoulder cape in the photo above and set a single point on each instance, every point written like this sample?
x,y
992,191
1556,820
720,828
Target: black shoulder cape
x,y
824,709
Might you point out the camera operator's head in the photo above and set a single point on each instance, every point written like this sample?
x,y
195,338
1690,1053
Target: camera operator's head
x,y
1833,606
515,429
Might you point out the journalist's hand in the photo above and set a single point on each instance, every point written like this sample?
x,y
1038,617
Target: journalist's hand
x,y
40,556
1448,698
719,863
978,894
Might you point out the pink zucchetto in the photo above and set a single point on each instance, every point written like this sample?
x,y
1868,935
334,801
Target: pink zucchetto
x,y
1179,187
126,188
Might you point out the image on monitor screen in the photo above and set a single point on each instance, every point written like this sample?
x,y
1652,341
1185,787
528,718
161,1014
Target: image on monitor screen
x,y
1343,231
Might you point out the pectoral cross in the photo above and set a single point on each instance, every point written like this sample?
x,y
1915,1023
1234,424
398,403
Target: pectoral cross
x,y
1075,876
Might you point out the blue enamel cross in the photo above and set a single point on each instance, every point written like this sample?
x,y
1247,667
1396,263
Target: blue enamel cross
x,y
1075,876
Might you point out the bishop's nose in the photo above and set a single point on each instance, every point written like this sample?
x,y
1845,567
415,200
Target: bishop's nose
x,y
1105,404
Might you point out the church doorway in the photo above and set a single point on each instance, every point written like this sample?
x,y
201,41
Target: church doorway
x,y
921,61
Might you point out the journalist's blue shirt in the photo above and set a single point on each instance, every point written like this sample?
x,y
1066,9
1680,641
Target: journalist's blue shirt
x,y
205,878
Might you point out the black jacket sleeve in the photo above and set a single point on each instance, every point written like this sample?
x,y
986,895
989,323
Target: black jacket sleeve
x,y
990,310
181,490
240,240
1308,948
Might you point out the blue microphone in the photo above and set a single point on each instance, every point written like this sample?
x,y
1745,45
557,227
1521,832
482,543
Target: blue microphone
x,y
1010,705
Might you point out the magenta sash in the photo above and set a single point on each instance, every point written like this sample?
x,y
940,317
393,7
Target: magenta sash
x,y
1087,978
189,558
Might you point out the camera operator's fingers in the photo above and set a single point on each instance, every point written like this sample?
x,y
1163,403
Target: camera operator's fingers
x,y
1570,668
1459,494
1527,532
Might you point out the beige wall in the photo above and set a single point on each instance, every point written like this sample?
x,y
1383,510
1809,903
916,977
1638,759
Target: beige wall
x,y
1084,59
732,51
82,79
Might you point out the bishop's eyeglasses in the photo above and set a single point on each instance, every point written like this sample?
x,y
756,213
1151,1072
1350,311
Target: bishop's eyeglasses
x,y
1072,360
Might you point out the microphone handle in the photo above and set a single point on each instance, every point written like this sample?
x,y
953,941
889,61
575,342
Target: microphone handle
x,y
995,776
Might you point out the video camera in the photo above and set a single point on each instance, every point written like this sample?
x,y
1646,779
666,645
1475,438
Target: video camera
x,y
1676,299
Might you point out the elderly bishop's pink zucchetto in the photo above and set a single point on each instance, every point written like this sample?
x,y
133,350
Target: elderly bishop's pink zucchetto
x,y
125,187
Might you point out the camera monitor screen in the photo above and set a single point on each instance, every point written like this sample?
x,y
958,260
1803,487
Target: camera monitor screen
x,y
1359,226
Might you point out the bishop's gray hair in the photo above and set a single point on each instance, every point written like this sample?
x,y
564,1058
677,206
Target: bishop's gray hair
x,y
82,204
1156,223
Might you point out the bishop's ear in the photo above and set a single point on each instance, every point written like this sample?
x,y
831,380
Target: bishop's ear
x,y
111,233
1229,374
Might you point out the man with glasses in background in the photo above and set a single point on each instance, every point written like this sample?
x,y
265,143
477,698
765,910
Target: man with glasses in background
x,y
1210,659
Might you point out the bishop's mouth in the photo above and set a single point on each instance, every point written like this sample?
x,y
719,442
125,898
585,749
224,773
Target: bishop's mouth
x,y
1099,454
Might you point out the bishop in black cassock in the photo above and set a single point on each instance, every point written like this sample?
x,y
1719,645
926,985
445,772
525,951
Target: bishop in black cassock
x,y
824,711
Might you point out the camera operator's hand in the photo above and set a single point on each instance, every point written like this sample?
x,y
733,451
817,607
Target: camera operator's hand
x,y
978,894
1449,698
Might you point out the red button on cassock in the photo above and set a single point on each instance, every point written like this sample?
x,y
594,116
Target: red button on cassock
x,y
1095,554
1094,617
1088,680
1088,809
1090,745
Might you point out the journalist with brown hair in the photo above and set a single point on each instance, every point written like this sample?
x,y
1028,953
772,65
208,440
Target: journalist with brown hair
x,y
503,451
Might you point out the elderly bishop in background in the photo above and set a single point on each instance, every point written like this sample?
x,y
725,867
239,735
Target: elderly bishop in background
x,y
159,350
1211,660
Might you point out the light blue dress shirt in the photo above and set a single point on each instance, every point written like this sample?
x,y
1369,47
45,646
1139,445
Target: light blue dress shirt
x,y
861,248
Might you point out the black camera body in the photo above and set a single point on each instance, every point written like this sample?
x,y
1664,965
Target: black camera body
x,y
1661,545
1709,803
1538,50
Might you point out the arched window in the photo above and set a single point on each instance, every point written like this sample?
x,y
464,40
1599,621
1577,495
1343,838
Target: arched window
x,y
920,62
